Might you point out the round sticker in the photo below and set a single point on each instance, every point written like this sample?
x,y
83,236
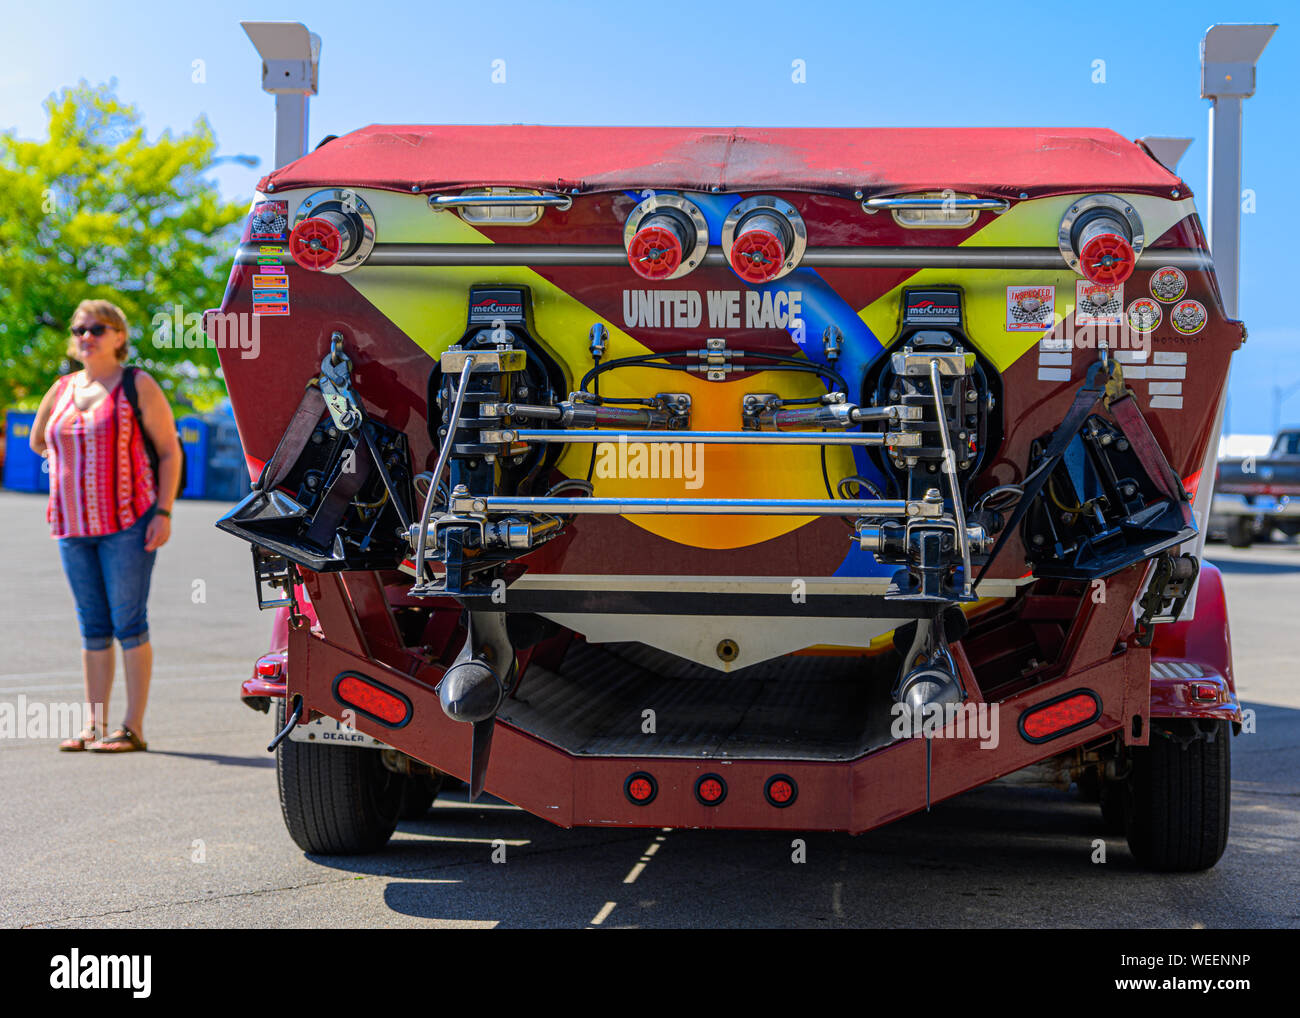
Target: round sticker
x,y
1144,315
1188,317
1168,284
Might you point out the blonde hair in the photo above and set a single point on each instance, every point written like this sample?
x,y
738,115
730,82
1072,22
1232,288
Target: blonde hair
x,y
109,314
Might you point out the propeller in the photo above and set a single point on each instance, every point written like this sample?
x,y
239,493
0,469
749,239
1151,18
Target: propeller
x,y
474,687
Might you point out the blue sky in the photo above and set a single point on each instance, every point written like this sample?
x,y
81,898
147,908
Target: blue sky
x,y
938,64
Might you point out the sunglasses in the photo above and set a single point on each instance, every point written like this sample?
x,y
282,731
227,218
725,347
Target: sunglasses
x,y
94,330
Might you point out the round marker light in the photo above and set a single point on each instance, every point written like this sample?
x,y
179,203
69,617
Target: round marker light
x,y
710,789
319,241
758,252
640,788
655,250
780,790
1105,253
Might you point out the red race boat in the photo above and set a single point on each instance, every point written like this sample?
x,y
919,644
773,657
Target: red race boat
x,y
756,478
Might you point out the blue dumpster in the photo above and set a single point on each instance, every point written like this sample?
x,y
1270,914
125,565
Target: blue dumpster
x,y
227,469
194,440
24,470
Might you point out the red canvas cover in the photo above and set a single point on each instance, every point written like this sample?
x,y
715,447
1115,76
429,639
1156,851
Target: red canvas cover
x,y
989,161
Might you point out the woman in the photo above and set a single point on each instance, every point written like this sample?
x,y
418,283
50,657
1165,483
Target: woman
x,y
108,511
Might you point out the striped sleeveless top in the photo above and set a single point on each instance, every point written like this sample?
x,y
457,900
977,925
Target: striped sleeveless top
x,y
100,478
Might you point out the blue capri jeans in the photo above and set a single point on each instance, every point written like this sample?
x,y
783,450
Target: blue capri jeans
x,y
109,576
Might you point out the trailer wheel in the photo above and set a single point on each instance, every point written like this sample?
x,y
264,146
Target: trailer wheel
x,y
336,800
1177,796
1241,532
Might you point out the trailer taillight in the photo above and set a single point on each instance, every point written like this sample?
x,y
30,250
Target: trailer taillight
x,y
1060,716
268,666
710,789
640,788
372,699
780,790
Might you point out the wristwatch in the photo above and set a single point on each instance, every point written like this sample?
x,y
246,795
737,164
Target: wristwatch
x,y
163,512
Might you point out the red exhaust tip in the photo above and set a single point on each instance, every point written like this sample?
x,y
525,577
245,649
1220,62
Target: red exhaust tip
x,y
315,244
655,252
757,256
1107,258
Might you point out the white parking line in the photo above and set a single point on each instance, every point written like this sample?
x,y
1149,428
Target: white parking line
x,y
603,914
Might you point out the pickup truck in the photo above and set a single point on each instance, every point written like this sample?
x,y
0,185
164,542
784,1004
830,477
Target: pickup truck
x,y
1254,496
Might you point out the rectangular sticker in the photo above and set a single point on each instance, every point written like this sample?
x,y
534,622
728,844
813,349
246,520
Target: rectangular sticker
x,y
1030,308
274,282
1098,303
270,249
270,221
271,309
273,267
270,296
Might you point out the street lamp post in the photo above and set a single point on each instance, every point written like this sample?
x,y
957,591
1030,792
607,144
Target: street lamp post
x,y
1228,57
290,59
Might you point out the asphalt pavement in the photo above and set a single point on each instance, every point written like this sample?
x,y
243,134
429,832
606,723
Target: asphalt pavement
x,y
190,835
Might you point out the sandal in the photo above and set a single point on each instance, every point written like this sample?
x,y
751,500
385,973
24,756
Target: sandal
x,y
78,742
121,741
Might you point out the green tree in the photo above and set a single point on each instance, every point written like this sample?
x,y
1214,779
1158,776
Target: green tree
x,y
98,211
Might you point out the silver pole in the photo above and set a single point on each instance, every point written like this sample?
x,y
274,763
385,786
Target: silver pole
x,y
597,437
290,127
1228,57
598,506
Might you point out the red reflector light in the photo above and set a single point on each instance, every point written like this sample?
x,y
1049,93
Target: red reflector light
x,y
1206,691
372,699
780,790
1057,717
268,666
315,244
655,252
710,789
640,788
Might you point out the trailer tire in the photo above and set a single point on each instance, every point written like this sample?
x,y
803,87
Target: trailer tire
x,y
1177,796
336,800
1241,532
